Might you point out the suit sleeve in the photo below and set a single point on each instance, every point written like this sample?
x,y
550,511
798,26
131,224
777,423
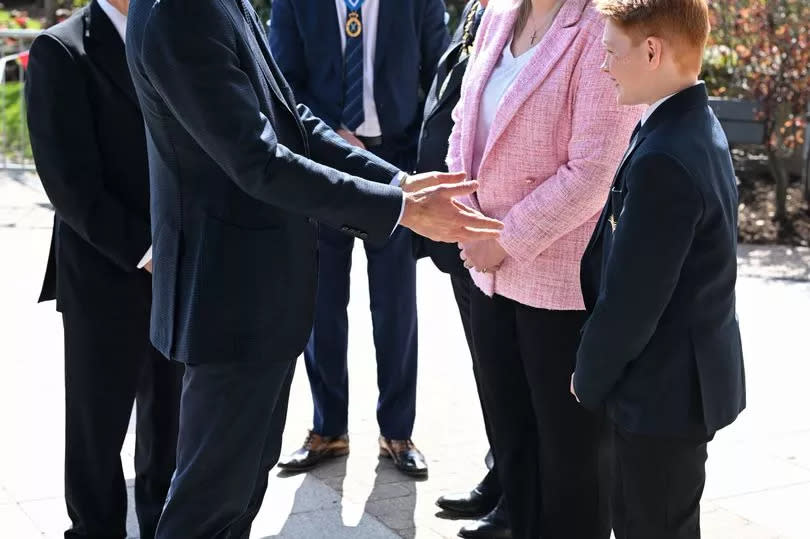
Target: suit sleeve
x,y
576,192
655,231
331,149
434,41
65,148
197,73
287,45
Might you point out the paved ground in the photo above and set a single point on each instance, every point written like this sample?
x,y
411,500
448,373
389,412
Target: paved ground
x,y
759,469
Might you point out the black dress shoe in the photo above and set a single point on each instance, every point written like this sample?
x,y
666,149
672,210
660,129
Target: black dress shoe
x,y
406,457
315,449
493,526
478,502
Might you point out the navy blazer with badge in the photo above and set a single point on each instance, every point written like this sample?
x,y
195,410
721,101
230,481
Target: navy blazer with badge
x,y
411,38
239,176
662,348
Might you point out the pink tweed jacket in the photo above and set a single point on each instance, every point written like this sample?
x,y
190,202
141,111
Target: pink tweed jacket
x,y
553,148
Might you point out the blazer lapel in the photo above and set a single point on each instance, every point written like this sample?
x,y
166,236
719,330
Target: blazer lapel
x,y
332,34
386,18
545,55
252,35
104,45
261,50
600,226
481,71
448,80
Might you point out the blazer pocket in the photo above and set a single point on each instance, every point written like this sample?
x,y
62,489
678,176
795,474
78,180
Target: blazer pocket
x,y
238,278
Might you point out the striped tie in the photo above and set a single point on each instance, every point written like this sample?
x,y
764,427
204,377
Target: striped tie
x,y
353,114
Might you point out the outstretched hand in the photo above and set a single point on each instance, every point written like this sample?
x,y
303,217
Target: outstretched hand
x,y
433,212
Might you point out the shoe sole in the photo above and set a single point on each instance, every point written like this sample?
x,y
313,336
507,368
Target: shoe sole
x,y
328,455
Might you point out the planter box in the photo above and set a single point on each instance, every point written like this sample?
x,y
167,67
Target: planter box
x,y
739,120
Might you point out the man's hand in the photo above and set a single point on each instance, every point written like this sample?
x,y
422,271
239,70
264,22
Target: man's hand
x,y
573,392
433,213
349,137
148,266
417,182
484,255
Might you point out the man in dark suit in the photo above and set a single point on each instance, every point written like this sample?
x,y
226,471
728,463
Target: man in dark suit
x,y
361,65
240,178
89,146
661,349
483,500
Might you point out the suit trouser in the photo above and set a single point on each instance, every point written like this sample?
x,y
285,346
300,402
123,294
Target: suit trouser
x,y
109,365
462,287
232,417
658,483
552,455
392,290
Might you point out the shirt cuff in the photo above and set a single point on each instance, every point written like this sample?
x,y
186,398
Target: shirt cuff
x,y
148,258
398,178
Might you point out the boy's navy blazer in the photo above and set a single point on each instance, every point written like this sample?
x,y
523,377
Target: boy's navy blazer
x,y
662,345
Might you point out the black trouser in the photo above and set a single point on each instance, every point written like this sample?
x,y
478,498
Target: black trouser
x,y
552,455
462,287
658,483
109,364
232,415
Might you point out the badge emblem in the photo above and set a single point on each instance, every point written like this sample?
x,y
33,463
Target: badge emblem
x,y
354,26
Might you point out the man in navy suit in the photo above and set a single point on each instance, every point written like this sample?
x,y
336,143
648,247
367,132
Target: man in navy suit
x,y
661,350
361,65
241,177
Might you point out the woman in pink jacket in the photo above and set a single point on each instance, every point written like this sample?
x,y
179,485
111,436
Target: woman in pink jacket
x,y
539,126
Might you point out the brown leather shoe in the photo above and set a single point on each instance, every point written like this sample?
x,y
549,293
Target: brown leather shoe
x,y
315,449
406,457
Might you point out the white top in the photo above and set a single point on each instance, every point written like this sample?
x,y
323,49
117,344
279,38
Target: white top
x,y
370,13
118,19
504,74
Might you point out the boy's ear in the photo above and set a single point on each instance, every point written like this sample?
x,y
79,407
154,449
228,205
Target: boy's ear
x,y
654,50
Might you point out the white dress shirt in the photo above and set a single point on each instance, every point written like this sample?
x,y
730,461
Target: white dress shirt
x,y
370,13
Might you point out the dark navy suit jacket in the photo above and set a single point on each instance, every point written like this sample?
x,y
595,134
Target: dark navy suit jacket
x,y
411,37
239,174
662,345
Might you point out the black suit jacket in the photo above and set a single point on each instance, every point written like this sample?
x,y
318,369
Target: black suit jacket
x,y
437,125
662,346
88,140
305,39
239,175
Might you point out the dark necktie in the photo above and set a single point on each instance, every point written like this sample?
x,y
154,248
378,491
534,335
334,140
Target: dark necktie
x,y
353,114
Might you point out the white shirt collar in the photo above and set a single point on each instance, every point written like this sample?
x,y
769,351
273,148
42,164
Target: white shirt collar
x,y
647,113
118,19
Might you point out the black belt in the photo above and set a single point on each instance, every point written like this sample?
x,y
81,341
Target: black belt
x,y
370,142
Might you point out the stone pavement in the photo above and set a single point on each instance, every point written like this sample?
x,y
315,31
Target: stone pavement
x,y
758,469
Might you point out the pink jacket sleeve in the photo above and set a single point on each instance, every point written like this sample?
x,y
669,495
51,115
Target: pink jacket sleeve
x,y
579,188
